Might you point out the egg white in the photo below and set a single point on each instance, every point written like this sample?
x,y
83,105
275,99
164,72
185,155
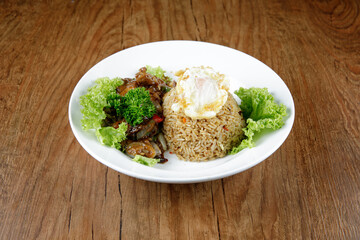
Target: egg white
x,y
201,92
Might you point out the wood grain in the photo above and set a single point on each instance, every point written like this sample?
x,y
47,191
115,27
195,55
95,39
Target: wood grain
x,y
50,188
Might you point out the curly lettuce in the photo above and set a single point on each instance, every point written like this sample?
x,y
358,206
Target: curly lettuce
x,y
261,112
112,137
145,161
102,94
158,72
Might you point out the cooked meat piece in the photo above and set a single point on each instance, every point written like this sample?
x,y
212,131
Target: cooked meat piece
x,y
129,83
143,148
146,129
145,79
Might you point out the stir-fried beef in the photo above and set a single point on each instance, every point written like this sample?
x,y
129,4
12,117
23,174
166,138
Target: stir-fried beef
x,y
143,139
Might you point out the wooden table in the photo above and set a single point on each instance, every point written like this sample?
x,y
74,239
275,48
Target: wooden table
x,y
51,188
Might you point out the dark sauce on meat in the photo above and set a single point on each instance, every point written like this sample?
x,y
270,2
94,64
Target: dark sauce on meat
x,y
146,138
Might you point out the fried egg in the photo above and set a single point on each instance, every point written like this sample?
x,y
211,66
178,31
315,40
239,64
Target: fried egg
x,y
201,92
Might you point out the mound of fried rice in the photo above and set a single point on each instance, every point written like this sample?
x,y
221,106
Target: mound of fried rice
x,y
202,139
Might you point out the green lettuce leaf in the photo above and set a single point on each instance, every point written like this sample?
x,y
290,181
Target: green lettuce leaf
x,y
157,72
145,161
102,94
261,112
110,136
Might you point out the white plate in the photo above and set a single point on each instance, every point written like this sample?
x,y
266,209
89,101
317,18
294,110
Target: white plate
x,y
242,69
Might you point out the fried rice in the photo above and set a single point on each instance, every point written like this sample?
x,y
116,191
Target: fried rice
x,y
202,139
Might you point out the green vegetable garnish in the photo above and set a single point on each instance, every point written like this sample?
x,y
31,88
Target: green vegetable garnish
x,y
145,161
157,72
103,94
135,105
260,111
112,137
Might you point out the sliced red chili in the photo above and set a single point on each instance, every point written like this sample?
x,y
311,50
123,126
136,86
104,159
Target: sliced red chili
x,y
158,119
